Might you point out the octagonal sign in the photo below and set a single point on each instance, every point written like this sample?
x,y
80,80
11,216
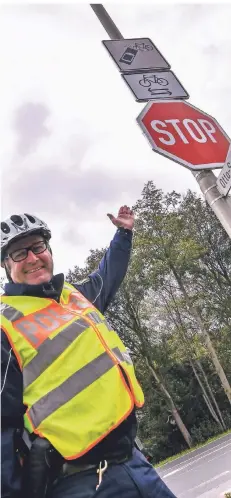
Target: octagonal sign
x,y
185,134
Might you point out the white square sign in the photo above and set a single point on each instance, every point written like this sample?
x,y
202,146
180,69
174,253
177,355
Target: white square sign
x,y
136,54
155,86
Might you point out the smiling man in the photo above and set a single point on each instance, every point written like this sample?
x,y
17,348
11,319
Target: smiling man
x,y
25,251
68,384
32,264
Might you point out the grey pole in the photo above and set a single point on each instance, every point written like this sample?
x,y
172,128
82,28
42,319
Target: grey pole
x,y
219,204
205,178
106,21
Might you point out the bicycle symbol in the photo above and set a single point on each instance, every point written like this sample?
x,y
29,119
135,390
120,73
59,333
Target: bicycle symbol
x,y
148,81
142,47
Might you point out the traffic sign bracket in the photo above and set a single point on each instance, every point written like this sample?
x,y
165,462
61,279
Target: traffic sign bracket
x,y
216,199
208,189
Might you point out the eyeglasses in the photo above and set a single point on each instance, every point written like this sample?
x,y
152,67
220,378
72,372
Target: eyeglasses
x,y
21,254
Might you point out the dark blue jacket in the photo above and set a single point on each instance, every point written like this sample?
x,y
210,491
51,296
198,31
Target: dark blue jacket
x,y
100,289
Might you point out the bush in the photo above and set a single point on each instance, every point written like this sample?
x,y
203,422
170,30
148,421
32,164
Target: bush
x,y
204,431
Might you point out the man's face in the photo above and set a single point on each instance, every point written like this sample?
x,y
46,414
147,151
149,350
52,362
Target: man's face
x,y
36,268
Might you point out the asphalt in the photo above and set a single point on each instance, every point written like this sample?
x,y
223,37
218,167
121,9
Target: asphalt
x,y
204,473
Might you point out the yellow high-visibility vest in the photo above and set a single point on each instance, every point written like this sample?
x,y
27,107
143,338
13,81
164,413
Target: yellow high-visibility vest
x,y
72,364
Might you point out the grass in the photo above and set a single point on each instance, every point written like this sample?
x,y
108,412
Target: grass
x,y
185,452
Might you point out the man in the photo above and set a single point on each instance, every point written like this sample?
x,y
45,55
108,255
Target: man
x,y
68,385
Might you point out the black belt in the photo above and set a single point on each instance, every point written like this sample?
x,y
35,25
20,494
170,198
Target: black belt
x,y
69,468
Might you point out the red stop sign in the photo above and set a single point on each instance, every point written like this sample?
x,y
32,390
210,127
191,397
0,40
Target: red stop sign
x,y
183,133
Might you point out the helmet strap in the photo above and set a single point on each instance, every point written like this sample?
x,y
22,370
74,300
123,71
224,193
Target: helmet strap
x,y
7,273
49,248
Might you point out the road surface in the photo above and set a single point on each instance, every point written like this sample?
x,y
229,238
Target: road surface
x,y
204,473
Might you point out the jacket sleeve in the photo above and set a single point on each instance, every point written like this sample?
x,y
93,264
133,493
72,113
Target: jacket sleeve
x,y
101,286
11,421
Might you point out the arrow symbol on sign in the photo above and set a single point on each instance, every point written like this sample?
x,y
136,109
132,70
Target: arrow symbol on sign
x,y
159,91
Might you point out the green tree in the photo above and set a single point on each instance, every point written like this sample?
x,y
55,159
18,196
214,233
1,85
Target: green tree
x,y
164,242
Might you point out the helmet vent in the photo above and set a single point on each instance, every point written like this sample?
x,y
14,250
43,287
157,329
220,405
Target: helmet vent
x,y
30,218
5,228
17,220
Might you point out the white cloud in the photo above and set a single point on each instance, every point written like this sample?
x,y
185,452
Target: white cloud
x,y
30,125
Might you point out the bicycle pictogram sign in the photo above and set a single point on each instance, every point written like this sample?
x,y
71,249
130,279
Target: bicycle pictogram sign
x,y
149,80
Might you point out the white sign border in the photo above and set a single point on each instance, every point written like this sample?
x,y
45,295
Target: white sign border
x,y
168,154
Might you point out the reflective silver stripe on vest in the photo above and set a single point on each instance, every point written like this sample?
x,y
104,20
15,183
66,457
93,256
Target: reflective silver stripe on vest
x,y
93,315
70,388
122,356
10,313
97,319
108,325
51,349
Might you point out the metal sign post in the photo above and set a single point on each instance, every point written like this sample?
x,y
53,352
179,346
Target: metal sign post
x,y
206,179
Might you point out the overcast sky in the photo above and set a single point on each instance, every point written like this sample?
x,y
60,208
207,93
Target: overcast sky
x,y
71,150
